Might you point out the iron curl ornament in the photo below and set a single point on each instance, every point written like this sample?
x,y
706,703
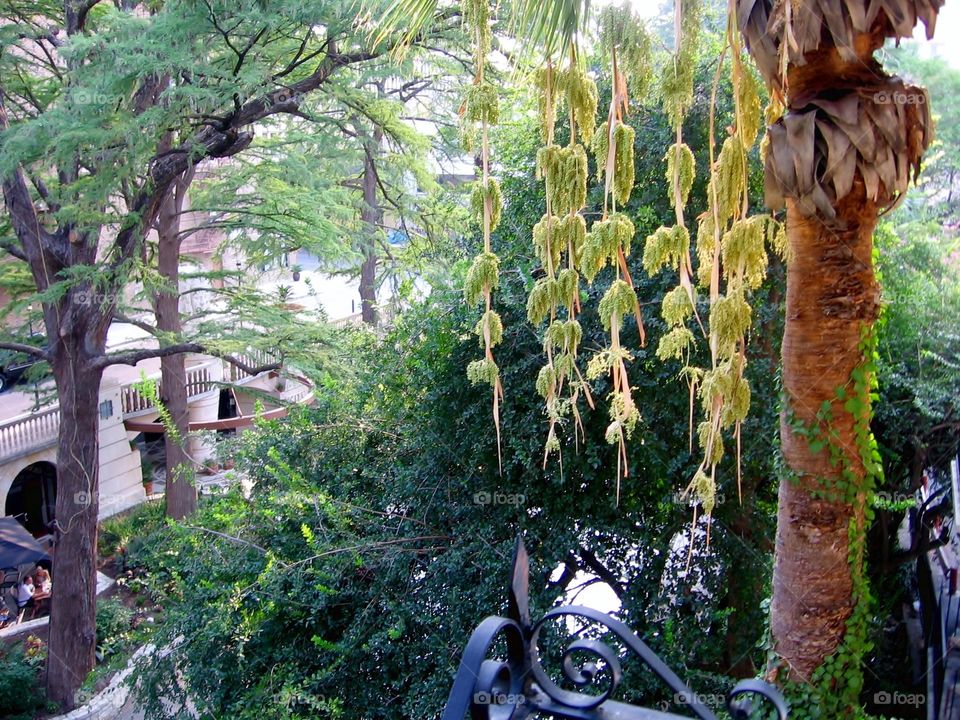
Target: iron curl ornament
x,y
520,687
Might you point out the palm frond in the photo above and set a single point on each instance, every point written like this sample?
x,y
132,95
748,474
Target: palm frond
x,y
405,16
550,25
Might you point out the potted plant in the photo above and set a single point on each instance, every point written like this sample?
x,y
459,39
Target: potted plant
x,y
146,471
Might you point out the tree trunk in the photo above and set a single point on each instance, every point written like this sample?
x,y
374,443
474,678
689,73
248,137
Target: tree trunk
x,y
72,636
368,287
371,214
831,296
181,489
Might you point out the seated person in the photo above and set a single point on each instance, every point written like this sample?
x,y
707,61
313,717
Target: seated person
x,y
25,592
5,617
41,580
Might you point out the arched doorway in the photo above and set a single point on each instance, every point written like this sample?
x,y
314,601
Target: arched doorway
x,y
33,497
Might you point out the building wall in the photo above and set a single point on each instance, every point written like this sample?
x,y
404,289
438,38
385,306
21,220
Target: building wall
x,y
121,479
121,485
10,470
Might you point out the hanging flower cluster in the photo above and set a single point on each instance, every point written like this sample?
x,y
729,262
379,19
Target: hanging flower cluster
x,y
669,247
481,110
624,41
732,254
559,240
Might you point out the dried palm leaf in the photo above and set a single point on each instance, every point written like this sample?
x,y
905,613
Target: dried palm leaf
x,y
779,31
815,151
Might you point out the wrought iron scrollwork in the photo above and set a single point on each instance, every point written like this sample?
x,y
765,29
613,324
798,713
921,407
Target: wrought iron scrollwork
x,y
519,686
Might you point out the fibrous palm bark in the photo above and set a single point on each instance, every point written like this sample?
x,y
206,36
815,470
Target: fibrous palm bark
x,y
845,149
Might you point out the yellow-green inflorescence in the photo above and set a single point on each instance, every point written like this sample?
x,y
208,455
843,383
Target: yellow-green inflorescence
x,y
480,110
610,240
732,255
559,240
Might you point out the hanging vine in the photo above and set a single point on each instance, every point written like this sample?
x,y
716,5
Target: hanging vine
x,y
670,246
480,110
624,41
558,240
731,253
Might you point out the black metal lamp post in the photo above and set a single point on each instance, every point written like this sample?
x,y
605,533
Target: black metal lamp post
x,y
519,687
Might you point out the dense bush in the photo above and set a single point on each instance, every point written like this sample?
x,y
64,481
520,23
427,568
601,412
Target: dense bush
x,y
113,623
117,533
20,693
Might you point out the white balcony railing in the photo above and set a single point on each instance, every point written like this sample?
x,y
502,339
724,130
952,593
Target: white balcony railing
x,y
26,433
199,380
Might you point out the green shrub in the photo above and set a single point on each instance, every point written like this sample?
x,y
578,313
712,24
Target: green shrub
x,y
119,532
113,622
20,694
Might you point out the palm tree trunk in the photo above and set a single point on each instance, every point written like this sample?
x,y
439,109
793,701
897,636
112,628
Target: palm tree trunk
x,y
832,295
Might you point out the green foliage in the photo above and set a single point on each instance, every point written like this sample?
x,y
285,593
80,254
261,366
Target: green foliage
x,y
622,30
476,15
606,240
565,170
730,317
20,693
483,372
564,335
580,92
400,451
148,388
676,307
481,104
680,165
623,169
677,80
665,247
836,685
544,297
489,323
727,183
918,346
117,532
113,623
676,344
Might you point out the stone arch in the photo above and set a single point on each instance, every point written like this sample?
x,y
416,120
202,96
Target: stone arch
x,y
32,497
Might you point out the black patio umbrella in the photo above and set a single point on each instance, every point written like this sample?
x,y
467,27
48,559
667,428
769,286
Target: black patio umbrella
x,y
17,546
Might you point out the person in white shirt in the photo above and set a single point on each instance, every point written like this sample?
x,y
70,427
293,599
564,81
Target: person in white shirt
x,y
25,593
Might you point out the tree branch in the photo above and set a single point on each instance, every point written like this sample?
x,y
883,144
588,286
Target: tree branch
x,y
601,570
135,356
220,140
26,349
13,250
